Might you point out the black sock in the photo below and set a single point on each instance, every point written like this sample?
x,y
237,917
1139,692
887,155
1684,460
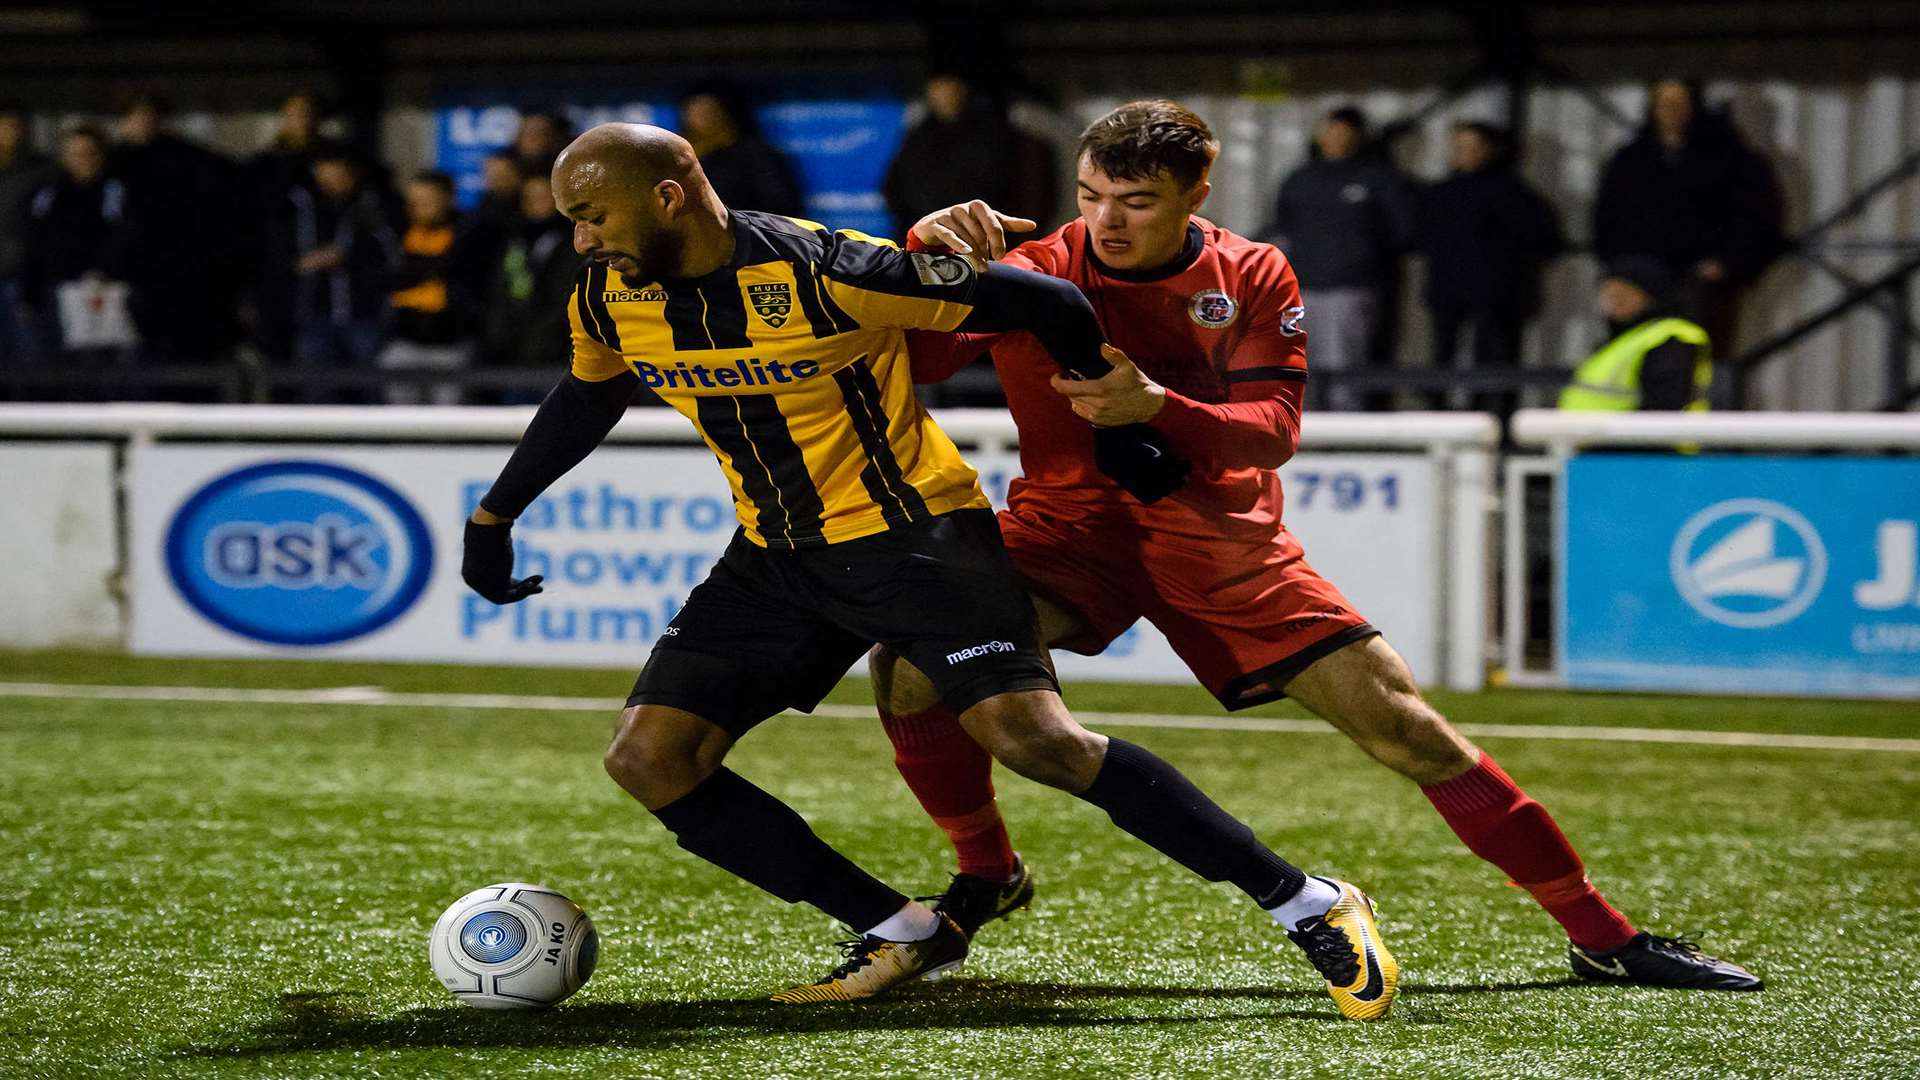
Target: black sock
x,y
1150,799
752,835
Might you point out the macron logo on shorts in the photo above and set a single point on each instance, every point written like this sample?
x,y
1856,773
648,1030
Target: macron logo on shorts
x,y
979,650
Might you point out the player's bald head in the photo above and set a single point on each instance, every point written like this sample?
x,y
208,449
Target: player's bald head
x,y
623,157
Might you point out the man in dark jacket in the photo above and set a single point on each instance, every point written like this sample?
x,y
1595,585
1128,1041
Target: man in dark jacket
x,y
344,254
1486,236
1689,192
270,179
966,148
742,166
186,262
530,286
1344,219
77,231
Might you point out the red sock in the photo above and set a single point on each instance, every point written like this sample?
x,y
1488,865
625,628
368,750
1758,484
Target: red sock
x,y
1501,824
953,779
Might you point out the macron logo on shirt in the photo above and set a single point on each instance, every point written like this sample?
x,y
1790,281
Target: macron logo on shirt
x,y
979,650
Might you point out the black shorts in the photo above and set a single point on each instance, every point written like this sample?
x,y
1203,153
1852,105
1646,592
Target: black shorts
x,y
775,630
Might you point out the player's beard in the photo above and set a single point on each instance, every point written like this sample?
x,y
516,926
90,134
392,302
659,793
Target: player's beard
x,y
658,258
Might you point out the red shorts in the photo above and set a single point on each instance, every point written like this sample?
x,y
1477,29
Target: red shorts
x,y
1246,616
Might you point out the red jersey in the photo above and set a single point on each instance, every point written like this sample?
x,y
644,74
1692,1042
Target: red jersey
x,y
1219,328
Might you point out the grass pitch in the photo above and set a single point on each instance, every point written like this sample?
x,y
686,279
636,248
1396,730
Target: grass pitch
x,y
207,889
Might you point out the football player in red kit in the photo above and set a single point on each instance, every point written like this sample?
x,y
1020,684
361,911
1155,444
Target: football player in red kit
x,y
1209,347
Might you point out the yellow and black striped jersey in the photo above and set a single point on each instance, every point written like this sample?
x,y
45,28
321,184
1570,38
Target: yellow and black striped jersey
x,y
791,360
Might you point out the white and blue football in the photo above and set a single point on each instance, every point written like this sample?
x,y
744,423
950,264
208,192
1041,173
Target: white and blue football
x,y
514,946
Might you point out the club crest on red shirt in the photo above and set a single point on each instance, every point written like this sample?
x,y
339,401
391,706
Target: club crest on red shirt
x,y
1212,309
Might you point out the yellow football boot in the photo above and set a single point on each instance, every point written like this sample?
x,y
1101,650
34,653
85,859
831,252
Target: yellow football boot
x,y
1344,944
875,965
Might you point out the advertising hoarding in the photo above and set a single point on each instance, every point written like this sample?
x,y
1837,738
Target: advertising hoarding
x,y
354,551
1742,574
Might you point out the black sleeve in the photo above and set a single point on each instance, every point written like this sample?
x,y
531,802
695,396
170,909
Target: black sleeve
x,y
573,420
1051,309
1666,376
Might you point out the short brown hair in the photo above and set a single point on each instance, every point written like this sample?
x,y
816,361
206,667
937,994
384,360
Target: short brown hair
x,y
1141,139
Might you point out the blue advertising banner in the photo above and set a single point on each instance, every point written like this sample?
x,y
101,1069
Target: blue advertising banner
x,y
465,133
1742,574
840,150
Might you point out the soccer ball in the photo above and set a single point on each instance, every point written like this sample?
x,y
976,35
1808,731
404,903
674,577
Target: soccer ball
x,y
514,946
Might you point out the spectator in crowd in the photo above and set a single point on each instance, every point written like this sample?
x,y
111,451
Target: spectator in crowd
x,y
530,287
432,303
22,172
77,246
495,220
500,179
1690,192
1343,219
272,176
344,254
743,167
1654,359
185,260
542,135
967,148
287,162
1486,236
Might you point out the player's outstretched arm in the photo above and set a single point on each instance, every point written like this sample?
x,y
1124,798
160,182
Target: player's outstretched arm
x,y
970,229
575,417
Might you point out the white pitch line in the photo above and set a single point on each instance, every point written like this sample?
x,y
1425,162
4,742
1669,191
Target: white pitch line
x,y
374,696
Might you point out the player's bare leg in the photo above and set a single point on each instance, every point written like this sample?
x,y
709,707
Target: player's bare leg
x,y
1032,733
672,760
1367,692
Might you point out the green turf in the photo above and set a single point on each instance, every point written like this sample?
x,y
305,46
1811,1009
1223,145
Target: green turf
x,y
233,890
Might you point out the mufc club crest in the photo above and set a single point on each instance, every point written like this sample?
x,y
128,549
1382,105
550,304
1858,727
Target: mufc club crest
x,y
1213,309
772,301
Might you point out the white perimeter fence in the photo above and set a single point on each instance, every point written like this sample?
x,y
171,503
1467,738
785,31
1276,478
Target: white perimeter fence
x,y
1651,558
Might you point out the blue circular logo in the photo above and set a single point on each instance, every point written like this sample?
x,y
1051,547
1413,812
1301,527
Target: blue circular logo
x,y
493,936
299,553
1749,563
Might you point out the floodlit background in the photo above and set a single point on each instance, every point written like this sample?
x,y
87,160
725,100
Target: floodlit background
x,y
296,265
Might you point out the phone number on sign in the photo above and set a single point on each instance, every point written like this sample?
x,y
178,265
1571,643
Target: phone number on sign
x,y
1343,492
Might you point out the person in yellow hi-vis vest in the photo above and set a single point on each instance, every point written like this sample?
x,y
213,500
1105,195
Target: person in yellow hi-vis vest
x,y
1655,360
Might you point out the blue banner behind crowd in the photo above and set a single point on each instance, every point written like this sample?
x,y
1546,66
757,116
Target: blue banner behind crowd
x,y
840,149
1743,575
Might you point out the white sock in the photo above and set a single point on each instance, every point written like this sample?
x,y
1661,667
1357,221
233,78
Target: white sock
x,y
914,922
1316,897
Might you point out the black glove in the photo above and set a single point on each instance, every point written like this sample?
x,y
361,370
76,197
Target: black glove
x,y
486,564
1136,457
